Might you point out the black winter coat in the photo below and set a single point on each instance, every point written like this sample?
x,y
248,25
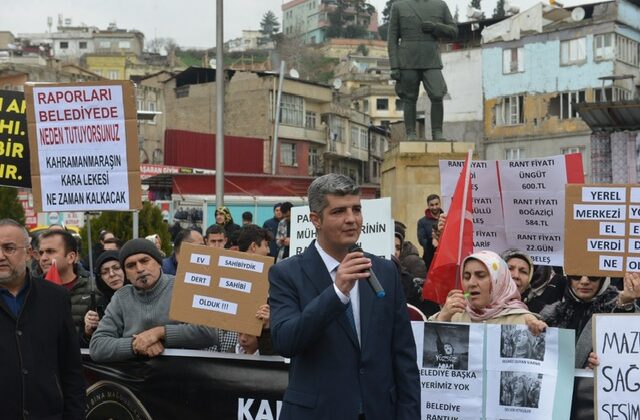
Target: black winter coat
x,y
40,365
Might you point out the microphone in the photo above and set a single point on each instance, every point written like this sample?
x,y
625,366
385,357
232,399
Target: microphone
x,y
372,280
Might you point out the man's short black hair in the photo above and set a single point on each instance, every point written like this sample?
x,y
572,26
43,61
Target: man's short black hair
x,y
180,237
275,206
433,197
215,229
69,242
286,207
252,233
247,216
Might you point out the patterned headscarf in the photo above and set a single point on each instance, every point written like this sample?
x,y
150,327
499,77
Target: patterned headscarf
x,y
226,213
504,292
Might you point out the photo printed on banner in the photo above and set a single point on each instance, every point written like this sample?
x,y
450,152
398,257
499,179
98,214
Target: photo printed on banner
x,y
520,389
518,342
446,346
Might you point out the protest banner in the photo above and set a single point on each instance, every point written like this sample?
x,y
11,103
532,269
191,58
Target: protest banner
x,y
186,384
451,370
83,143
376,236
533,201
493,371
518,203
14,143
617,378
220,288
602,225
488,220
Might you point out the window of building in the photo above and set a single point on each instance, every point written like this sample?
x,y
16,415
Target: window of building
x,y
337,129
82,45
363,138
365,106
512,60
98,72
375,169
374,143
288,154
564,105
291,110
310,120
313,161
571,150
514,154
114,74
399,105
382,104
105,44
603,47
573,51
125,45
509,110
626,50
64,45
354,136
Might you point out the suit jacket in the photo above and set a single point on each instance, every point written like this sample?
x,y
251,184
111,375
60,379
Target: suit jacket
x,y
41,367
331,374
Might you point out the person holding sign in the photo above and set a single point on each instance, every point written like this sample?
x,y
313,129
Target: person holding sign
x,y
136,322
353,355
489,295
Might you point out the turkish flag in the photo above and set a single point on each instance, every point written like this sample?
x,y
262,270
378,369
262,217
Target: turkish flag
x,y
456,241
53,275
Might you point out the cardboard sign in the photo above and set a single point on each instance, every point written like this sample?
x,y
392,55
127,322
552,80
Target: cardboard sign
x,y
14,143
220,288
617,378
84,148
376,236
602,229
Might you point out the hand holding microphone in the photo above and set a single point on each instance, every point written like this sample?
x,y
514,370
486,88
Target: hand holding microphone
x,y
372,279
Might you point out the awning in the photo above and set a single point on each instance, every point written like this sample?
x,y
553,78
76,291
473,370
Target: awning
x,y
161,176
611,116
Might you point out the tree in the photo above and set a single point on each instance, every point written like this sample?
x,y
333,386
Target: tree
x,y
162,46
10,207
120,223
386,12
476,5
269,28
499,12
456,15
349,19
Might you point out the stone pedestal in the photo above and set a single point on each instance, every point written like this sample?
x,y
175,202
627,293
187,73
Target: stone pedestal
x,y
410,172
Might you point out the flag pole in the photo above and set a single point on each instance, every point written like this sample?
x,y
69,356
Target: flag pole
x,y
463,216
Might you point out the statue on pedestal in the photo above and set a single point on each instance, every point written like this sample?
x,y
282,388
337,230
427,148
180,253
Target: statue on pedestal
x,y
415,26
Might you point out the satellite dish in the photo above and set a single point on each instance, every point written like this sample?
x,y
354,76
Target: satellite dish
x,y
212,63
577,14
337,83
294,73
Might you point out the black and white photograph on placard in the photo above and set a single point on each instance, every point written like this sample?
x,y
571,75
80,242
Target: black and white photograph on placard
x,y
520,389
446,346
517,342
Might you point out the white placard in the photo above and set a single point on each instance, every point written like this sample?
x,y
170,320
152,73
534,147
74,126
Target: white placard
x,y
235,284
80,132
197,279
376,236
241,264
604,195
617,377
634,229
610,262
607,245
612,229
488,219
599,212
216,305
201,259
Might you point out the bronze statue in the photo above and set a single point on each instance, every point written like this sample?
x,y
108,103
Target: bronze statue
x,y
415,26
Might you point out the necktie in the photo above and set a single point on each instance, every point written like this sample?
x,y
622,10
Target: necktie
x,y
352,320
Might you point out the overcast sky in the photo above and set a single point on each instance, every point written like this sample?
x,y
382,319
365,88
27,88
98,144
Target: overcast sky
x,y
191,23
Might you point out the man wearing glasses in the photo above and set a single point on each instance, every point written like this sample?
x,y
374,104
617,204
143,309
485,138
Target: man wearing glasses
x,y
40,364
136,321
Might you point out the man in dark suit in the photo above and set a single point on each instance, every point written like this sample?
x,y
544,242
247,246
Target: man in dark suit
x,y
352,354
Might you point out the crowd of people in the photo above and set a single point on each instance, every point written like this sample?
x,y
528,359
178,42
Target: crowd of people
x,y
122,311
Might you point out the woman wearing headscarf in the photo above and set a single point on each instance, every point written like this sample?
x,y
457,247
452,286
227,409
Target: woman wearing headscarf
x,y
489,295
224,219
585,296
109,278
